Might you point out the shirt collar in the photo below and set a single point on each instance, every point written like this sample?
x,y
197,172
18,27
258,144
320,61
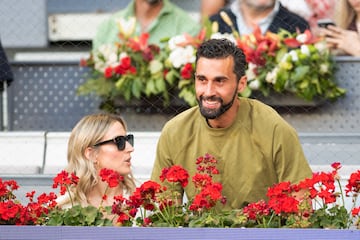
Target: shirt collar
x,y
166,9
263,24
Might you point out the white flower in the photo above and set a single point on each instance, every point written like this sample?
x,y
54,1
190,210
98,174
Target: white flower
x,y
254,84
284,58
324,68
321,46
250,74
305,50
126,27
294,55
105,56
227,36
175,41
271,76
122,55
182,55
301,37
155,66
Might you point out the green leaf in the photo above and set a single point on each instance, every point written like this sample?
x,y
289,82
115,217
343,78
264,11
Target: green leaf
x,y
160,85
150,87
300,73
90,214
137,87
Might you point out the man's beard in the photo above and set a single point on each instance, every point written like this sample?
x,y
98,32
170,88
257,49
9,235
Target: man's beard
x,y
153,2
215,113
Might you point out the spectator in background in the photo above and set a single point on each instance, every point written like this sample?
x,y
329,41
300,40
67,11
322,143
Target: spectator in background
x,y
344,38
311,10
269,15
98,141
160,18
6,75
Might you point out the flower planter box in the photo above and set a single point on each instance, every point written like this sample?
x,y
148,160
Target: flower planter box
x,y
67,232
154,104
276,99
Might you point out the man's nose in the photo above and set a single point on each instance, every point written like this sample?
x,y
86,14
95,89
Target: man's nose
x,y
209,89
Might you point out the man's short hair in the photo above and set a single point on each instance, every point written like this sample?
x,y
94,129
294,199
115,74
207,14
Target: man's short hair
x,y
223,48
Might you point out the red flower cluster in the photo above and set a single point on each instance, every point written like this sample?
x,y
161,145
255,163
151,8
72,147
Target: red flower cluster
x,y
13,212
175,174
320,190
164,203
152,204
124,67
353,185
112,178
141,45
209,191
258,47
257,210
63,180
281,199
186,71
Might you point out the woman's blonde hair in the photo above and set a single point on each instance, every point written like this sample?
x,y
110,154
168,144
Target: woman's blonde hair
x,y
344,14
87,132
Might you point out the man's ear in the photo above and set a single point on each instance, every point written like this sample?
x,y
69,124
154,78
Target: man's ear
x,y
242,84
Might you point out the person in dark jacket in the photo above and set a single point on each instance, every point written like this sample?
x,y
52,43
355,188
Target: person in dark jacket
x,y
269,15
6,74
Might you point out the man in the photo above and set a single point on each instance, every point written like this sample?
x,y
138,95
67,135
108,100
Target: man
x,y
160,18
254,146
269,15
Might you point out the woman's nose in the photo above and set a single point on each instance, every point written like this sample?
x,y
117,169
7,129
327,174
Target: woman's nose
x,y
129,147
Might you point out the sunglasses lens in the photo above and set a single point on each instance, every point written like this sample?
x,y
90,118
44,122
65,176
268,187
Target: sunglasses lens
x,y
130,139
121,141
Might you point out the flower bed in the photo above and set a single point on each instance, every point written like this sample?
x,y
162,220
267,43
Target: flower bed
x,y
110,233
154,205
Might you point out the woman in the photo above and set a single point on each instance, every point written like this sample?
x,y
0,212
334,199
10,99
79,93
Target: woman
x,y
99,141
344,37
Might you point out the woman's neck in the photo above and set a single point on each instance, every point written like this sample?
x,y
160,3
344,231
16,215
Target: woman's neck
x,y
96,195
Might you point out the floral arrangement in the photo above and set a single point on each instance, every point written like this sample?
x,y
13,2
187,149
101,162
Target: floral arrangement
x,y
156,204
296,63
129,69
132,69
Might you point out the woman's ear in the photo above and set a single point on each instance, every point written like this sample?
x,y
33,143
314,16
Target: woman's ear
x,y
89,153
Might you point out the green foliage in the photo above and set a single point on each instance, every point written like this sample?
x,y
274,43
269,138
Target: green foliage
x,y
78,216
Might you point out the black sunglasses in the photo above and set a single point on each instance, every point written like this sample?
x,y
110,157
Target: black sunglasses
x,y
120,141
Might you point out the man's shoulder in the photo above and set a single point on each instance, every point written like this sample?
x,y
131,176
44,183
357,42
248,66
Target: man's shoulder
x,y
223,26
283,11
183,120
289,21
261,112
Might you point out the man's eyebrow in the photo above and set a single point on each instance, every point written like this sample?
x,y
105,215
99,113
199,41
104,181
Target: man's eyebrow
x,y
220,77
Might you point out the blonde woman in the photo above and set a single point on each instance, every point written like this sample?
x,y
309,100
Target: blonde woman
x,y
344,37
99,141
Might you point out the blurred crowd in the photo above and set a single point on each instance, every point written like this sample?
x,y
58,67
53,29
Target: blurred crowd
x,y
162,17
341,28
